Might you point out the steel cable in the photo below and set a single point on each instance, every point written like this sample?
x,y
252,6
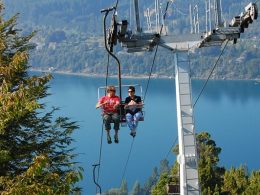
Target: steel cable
x,y
128,157
205,84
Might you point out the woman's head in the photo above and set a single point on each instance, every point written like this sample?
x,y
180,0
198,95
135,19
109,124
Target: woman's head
x,y
111,89
131,90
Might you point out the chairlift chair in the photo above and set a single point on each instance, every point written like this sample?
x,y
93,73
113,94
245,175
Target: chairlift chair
x,y
173,186
121,110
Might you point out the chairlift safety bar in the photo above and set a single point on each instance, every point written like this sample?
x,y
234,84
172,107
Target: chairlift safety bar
x,y
123,86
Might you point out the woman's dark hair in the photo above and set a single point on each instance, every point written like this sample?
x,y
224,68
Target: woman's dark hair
x,y
132,88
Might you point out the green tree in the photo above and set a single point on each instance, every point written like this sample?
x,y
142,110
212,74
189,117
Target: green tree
x,y
124,188
254,183
113,191
137,190
210,174
160,187
27,131
164,166
235,181
151,182
38,179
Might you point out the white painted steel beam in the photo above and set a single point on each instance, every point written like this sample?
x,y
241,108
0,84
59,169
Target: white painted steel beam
x,y
187,158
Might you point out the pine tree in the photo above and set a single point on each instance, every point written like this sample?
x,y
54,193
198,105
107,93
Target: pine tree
x,y
124,188
235,180
34,148
254,183
164,166
151,182
160,187
210,174
136,189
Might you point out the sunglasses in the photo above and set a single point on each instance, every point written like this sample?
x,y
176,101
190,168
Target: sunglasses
x,y
130,91
112,90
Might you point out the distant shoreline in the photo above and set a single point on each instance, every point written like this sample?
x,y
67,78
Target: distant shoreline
x,y
101,75
154,76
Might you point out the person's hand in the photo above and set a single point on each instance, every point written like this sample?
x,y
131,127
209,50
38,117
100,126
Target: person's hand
x,y
101,105
132,103
116,106
104,103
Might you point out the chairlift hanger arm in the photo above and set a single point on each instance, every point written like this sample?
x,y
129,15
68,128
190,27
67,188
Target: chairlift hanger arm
x,y
137,17
94,177
134,42
112,36
108,10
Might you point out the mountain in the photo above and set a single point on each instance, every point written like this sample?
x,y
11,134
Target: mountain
x,y
70,38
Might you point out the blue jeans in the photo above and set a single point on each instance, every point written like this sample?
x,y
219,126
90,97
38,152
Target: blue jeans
x,y
132,120
111,118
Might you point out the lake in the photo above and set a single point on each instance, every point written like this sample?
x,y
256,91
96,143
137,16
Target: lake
x,y
228,110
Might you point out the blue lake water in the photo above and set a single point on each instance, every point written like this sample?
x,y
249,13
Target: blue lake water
x,y
228,110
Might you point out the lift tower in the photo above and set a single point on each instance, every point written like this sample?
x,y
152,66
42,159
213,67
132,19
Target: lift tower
x,y
187,158
180,45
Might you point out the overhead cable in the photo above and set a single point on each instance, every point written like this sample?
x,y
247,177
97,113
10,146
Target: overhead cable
x,y
128,157
213,68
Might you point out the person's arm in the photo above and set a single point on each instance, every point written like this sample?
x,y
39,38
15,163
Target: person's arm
x,y
117,104
126,103
139,102
133,105
100,103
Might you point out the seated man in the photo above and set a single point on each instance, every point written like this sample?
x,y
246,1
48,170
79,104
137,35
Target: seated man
x,y
133,105
109,104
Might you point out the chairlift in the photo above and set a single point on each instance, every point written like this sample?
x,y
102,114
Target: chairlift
x,y
109,43
121,110
173,185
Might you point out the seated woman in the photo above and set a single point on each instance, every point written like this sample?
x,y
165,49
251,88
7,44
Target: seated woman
x,y
109,104
133,106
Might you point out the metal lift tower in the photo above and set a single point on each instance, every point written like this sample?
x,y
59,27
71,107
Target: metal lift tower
x,y
180,45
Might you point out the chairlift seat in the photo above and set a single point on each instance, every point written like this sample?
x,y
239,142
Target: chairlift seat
x,y
173,189
122,110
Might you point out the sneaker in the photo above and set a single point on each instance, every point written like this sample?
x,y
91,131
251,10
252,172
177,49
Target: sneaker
x,y
133,133
109,139
116,139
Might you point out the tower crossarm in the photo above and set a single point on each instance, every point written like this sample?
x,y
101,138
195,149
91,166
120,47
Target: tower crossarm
x,y
213,37
232,32
218,36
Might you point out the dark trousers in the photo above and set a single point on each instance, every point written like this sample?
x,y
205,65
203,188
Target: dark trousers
x,y
109,118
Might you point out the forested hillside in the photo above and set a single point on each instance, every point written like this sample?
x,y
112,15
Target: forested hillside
x,y
70,39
